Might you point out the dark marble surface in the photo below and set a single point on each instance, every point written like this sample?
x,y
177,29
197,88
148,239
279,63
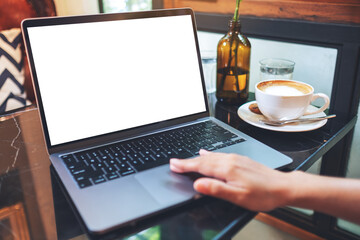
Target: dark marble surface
x,y
33,205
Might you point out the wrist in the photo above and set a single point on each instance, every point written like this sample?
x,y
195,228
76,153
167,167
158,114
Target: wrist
x,y
300,191
289,190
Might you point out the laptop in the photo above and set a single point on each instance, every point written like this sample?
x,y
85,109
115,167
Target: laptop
x,y
118,96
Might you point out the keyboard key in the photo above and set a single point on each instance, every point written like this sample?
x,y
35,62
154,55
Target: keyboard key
x,y
221,146
239,140
69,160
136,163
209,148
110,169
84,183
111,176
98,179
78,171
127,172
184,155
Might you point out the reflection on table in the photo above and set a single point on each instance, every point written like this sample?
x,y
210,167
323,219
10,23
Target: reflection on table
x,y
33,204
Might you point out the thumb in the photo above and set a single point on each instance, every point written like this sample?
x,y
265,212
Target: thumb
x,y
217,188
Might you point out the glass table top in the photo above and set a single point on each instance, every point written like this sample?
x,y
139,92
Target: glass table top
x,y
34,205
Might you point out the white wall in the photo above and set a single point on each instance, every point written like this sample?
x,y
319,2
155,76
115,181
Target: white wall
x,y
354,162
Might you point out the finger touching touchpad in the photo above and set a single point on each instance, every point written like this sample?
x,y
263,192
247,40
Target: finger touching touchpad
x,y
165,186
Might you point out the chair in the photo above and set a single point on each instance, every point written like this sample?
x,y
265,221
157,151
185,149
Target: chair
x,y
12,12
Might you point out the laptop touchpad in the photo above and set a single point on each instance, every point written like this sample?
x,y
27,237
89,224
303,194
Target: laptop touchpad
x,y
165,186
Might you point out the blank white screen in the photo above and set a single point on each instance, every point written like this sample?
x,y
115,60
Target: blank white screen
x,y
97,78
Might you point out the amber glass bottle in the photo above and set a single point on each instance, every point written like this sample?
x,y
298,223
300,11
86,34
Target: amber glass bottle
x,y
233,66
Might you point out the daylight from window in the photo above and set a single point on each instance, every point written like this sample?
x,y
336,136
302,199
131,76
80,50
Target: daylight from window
x,y
111,6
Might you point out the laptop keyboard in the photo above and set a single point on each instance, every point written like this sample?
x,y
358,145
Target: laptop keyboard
x,y
105,163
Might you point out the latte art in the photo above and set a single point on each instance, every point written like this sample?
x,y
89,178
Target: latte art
x,y
283,91
284,88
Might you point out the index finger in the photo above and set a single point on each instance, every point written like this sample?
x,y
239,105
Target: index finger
x,y
210,164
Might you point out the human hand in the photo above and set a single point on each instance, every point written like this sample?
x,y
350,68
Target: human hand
x,y
237,179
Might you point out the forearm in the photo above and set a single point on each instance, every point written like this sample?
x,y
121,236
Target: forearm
x,y
334,196
247,183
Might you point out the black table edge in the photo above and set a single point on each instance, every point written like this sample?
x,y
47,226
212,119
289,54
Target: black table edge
x,y
328,145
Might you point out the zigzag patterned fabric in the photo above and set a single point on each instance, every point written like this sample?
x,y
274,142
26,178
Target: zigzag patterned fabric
x,y
12,91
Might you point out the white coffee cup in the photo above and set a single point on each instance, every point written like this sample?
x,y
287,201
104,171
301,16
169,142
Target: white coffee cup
x,y
286,99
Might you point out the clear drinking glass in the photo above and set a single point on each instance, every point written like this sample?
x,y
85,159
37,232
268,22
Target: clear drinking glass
x,y
276,68
208,59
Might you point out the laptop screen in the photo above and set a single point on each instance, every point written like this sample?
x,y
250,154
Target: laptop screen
x,y
102,77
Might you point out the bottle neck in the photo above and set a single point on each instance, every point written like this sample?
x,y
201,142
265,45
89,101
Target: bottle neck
x,y
234,27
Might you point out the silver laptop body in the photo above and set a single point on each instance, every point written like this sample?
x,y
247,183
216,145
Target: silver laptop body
x,y
108,78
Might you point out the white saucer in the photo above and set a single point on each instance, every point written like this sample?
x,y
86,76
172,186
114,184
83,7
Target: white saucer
x,y
253,119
